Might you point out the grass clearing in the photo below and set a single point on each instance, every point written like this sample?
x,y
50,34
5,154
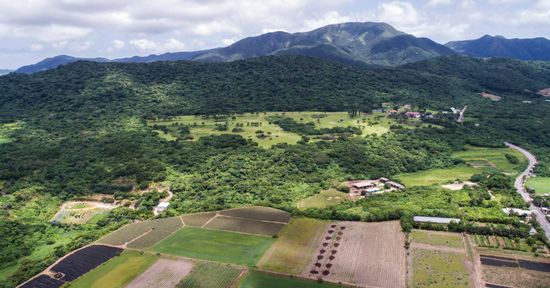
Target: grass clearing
x,y
117,272
207,275
439,269
245,226
4,141
452,240
541,184
436,176
323,199
254,280
96,218
295,246
215,245
480,156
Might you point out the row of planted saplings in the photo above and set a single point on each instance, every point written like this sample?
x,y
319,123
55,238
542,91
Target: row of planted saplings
x,y
323,250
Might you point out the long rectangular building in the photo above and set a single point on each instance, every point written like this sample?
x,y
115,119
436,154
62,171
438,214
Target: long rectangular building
x,y
437,220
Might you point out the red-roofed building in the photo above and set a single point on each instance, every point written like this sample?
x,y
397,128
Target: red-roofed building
x,y
392,112
407,106
545,92
413,114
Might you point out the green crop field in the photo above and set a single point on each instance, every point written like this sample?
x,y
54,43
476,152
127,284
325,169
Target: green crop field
x,y
254,280
438,269
245,226
215,245
541,184
148,240
97,218
117,272
258,213
197,220
437,239
295,247
207,275
480,155
321,200
429,177
123,235
333,119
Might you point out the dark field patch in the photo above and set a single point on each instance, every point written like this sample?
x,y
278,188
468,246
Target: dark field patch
x,y
84,261
513,263
495,286
43,281
259,213
245,226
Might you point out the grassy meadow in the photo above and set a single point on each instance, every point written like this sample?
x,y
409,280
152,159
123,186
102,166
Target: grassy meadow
x,y
254,280
541,184
438,239
333,119
321,200
215,245
439,269
479,156
435,176
117,272
4,141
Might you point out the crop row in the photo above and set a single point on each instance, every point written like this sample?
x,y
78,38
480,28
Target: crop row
x,y
245,226
197,220
123,235
149,240
259,213
501,242
210,276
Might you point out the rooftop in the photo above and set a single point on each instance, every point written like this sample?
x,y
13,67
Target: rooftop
x,y
163,204
435,219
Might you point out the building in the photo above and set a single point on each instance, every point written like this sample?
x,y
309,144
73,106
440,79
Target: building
x,y
383,180
532,232
163,206
363,185
526,101
437,220
413,114
407,106
372,190
396,185
392,111
545,92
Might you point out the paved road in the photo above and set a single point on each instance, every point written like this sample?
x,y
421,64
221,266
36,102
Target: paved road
x,y
521,189
461,117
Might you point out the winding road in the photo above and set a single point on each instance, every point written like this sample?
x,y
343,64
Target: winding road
x,y
521,188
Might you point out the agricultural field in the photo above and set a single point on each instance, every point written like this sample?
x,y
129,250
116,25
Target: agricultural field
x,y
163,273
149,240
258,213
484,157
434,176
215,245
277,135
197,220
245,226
432,268
160,227
323,199
541,184
123,235
118,272
97,217
207,275
255,280
452,240
501,242
367,254
295,246
515,277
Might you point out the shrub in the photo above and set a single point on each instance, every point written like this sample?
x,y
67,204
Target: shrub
x,y
343,188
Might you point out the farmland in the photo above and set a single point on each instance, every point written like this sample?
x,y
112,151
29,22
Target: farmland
x,y
123,235
451,240
215,245
435,176
439,269
254,280
323,199
96,218
245,226
541,184
117,272
148,240
197,220
484,157
258,213
206,275
156,231
515,277
163,273
295,247
370,254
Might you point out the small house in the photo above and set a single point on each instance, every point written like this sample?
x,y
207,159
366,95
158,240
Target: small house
x,y
383,180
396,185
437,220
392,111
372,190
163,206
413,114
363,185
532,232
407,106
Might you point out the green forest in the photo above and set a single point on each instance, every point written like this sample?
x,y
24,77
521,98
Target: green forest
x,y
82,129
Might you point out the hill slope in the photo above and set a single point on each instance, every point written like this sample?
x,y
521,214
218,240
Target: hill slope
x,y
498,46
361,44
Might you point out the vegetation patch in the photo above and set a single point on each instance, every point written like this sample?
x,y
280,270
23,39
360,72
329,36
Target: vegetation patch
x,y
259,213
540,184
255,279
197,220
163,273
215,245
149,240
118,272
505,159
438,239
295,246
434,268
97,217
123,235
206,275
4,141
514,277
323,199
245,226
435,176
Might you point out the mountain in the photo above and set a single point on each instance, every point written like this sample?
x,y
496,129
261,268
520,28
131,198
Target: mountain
x,y
498,46
360,44
5,71
54,62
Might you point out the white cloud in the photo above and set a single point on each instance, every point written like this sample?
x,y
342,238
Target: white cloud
x,y
37,47
81,46
398,13
332,17
60,45
146,45
439,2
227,42
119,44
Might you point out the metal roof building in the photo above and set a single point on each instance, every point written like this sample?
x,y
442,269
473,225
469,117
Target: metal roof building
x,y
435,219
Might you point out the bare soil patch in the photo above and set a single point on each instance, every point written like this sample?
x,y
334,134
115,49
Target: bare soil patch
x,y
162,274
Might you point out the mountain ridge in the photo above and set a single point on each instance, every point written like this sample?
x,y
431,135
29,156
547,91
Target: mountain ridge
x,y
529,49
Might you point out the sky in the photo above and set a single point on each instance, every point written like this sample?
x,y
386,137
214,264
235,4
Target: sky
x,y
31,30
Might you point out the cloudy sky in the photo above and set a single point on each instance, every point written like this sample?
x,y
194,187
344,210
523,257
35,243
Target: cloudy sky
x,y
31,30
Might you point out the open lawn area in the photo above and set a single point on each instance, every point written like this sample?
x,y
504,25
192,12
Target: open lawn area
x,y
323,199
215,245
541,184
480,157
276,133
4,141
254,280
295,247
207,275
429,177
439,269
118,272
452,240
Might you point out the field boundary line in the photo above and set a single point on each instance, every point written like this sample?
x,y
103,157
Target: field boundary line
x,y
210,220
182,222
140,236
258,220
243,272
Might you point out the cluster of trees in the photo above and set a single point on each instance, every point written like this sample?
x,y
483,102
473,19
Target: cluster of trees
x,y
289,125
